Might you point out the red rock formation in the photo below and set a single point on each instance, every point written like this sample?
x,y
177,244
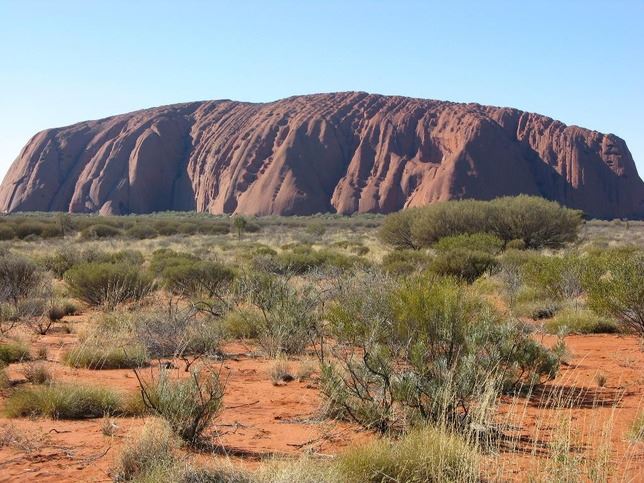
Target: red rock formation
x,y
345,152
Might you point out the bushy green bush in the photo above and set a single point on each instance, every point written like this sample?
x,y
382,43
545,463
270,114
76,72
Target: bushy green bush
x,y
242,324
61,261
427,350
535,221
197,278
462,263
62,401
478,242
405,262
108,284
141,231
396,229
301,259
166,257
556,277
539,223
614,284
19,277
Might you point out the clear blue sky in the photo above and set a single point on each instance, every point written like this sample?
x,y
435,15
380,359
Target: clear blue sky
x,y
63,61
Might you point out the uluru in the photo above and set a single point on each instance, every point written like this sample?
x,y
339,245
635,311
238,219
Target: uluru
x,y
348,152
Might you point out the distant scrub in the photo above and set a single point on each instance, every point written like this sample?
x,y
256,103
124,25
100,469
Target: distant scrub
x,y
535,221
194,278
301,259
404,262
100,231
108,284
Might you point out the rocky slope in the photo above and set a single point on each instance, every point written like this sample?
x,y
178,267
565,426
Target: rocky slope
x,y
344,152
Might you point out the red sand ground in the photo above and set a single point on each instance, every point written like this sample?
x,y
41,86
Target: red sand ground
x,y
260,419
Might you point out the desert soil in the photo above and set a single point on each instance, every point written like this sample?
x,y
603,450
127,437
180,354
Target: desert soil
x,y
261,420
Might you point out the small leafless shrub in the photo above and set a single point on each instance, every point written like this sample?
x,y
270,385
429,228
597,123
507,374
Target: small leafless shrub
x,y
37,373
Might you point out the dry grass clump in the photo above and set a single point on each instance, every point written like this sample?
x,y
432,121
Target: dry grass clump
x,y
14,351
92,356
280,371
62,401
571,321
4,378
428,454
636,432
150,452
153,457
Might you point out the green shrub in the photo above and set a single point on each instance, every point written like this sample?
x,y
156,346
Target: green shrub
x,y
580,322
141,231
93,356
477,242
27,229
427,454
427,350
100,231
7,232
242,324
14,351
465,264
108,284
62,401
187,405
61,261
556,277
166,257
196,278
405,262
302,259
396,229
615,286
537,222
19,278
288,318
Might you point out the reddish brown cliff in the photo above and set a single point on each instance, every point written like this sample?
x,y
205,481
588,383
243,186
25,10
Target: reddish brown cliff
x,y
345,152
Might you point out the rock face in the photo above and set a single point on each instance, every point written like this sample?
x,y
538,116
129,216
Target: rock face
x,y
344,152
